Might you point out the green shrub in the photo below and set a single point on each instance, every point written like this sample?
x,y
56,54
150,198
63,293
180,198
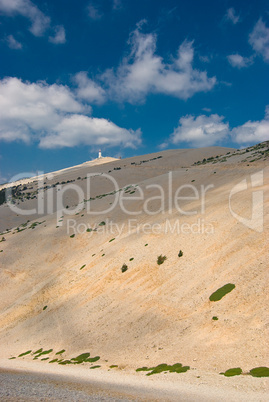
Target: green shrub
x,y
124,268
175,368
221,292
25,353
161,259
180,254
60,352
259,372
215,318
73,235
232,372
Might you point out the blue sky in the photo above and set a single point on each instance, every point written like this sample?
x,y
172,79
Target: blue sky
x,y
129,77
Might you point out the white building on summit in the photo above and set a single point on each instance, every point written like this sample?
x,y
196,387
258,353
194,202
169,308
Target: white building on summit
x,y
99,154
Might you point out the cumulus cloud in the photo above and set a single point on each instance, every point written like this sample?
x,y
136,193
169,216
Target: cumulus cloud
x,y
59,35
202,131
83,130
231,16
252,131
13,43
259,39
52,116
238,61
88,89
40,22
143,72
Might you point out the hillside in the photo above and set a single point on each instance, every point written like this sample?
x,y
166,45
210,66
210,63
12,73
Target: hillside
x,y
60,291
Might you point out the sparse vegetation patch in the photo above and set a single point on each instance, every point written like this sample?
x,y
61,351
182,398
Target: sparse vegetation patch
x,y
124,268
221,292
259,372
180,254
175,368
232,372
25,353
161,259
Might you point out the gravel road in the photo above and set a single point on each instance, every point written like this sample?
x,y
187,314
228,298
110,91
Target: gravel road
x,y
15,386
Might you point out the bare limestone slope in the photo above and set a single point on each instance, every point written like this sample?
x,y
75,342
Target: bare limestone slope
x,y
70,293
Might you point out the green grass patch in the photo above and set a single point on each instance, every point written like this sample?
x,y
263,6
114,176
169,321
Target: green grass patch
x,y
180,254
83,266
102,223
221,292
215,318
38,351
81,358
259,372
95,367
113,366
60,352
92,359
175,368
232,372
146,244
11,358
111,240
25,353
73,235
131,259
45,358
53,361
44,352
45,307
64,362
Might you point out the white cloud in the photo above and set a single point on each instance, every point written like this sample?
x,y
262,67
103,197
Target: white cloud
x,y
143,71
253,131
238,61
83,130
231,16
13,43
202,131
88,89
259,39
94,12
51,116
59,35
40,22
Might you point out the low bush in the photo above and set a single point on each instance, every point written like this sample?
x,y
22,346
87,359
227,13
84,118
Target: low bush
x,y
161,259
180,254
124,268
